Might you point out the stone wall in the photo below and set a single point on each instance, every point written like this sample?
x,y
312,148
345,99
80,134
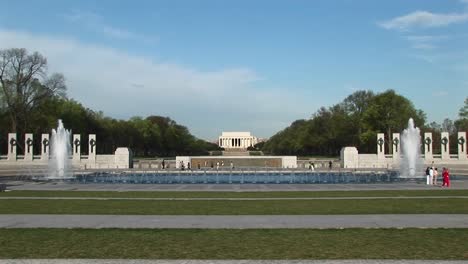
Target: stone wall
x,y
238,161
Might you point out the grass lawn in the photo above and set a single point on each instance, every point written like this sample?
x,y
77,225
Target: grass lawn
x,y
225,207
197,194
235,244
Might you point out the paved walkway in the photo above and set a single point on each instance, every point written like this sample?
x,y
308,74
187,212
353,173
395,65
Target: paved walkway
x,y
235,221
20,185
130,261
236,199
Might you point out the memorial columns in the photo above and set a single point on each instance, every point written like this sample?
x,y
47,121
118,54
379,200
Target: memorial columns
x,y
461,140
28,147
396,146
12,147
45,142
428,154
380,146
445,148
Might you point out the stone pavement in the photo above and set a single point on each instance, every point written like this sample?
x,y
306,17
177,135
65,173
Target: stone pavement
x,y
235,199
131,261
26,185
236,221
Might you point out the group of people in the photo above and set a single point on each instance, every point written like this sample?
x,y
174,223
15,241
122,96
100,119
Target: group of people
x,y
432,174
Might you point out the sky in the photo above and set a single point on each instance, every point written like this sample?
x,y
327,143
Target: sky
x,y
245,65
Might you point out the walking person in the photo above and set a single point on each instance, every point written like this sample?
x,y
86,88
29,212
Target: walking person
x,y
445,177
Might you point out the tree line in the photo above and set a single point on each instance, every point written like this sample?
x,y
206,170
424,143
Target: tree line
x,y
355,122
31,100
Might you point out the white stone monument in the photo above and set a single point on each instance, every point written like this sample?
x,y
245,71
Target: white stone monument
x,y
381,146
427,143
92,147
12,145
76,143
28,147
396,146
445,145
45,146
349,157
122,158
461,140
236,140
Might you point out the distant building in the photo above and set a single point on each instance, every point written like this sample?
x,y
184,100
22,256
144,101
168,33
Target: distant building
x,y
237,140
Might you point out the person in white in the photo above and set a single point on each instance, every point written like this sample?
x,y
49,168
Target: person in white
x,y
431,176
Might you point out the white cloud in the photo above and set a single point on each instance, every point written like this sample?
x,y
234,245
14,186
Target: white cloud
x,y
423,19
423,46
123,85
425,42
95,22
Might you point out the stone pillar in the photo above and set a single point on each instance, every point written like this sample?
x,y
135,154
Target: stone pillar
x,y
380,146
12,144
122,159
45,142
349,157
76,147
461,140
445,145
396,146
28,147
427,143
92,147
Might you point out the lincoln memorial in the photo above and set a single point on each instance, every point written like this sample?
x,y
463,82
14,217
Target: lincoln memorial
x,y
237,140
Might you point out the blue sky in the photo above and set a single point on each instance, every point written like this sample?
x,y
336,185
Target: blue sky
x,y
246,65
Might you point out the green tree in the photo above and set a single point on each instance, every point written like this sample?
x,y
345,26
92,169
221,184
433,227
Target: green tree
x,y
389,112
356,105
24,85
462,123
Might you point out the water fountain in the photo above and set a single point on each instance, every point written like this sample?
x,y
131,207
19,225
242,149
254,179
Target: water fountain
x,y
411,163
59,163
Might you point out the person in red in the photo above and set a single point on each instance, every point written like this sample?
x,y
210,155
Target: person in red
x,y
446,177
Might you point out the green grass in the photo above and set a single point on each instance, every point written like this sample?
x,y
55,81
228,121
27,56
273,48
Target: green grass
x,y
234,244
197,194
225,207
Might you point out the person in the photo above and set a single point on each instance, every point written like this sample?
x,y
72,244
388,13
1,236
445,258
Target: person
x,y
217,165
182,166
198,165
431,176
211,165
312,167
434,177
330,164
163,164
188,166
427,175
232,165
445,177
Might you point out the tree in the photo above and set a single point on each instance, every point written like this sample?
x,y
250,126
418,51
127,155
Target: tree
x,y
463,114
462,123
24,85
356,105
389,112
448,126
